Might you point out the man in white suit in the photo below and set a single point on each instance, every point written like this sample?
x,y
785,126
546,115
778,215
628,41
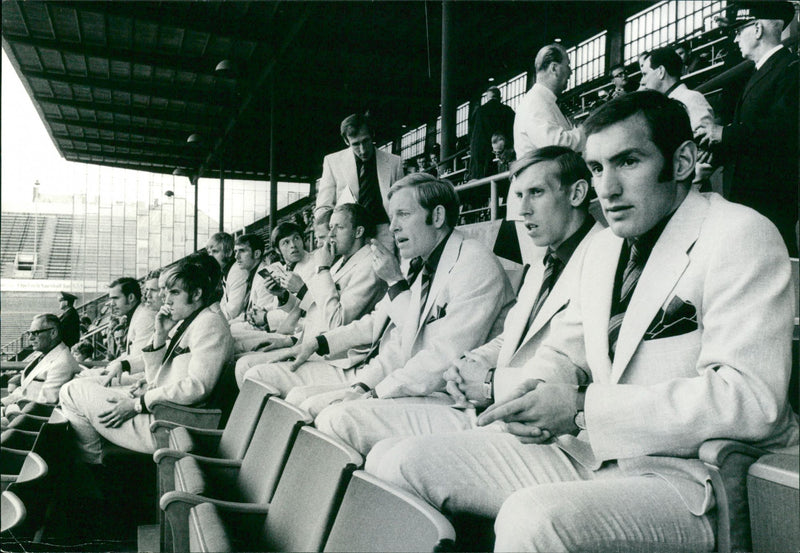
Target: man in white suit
x,y
360,174
552,185
449,302
51,366
189,348
679,332
338,293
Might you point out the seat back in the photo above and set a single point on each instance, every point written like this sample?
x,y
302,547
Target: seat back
x,y
376,516
223,395
266,456
207,531
12,512
243,419
309,492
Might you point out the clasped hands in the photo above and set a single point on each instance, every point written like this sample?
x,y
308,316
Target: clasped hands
x,y
537,412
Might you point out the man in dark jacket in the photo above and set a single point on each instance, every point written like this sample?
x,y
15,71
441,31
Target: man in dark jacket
x,y
488,119
759,149
70,321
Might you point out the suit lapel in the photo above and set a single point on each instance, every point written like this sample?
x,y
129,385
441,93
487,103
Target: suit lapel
x,y
384,173
41,365
664,267
516,321
762,73
596,290
449,257
339,270
351,172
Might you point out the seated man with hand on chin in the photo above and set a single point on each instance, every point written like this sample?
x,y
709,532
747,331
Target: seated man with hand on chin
x,y
190,345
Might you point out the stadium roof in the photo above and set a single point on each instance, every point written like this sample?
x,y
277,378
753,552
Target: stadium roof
x,y
125,83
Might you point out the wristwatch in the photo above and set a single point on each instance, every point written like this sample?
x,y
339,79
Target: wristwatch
x,y
322,268
137,406
580,417
488,385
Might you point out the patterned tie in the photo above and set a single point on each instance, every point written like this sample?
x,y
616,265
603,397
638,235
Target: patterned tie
x,y
552,270
425,288
630,277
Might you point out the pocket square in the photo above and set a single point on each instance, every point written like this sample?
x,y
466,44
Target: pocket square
x,y
437,313
679,317
180,351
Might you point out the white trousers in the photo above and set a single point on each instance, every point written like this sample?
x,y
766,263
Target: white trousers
x,y
541,498
82,402
363,423
310,373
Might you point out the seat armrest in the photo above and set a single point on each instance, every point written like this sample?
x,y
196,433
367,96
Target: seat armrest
x,y
164,453
715,452
187,416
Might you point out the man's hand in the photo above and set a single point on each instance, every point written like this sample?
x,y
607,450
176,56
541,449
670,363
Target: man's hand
x,y
468,375
271,284
137,388
163,325
112,372
299,352
547,408
325,254
384,263
292,282
273,343
123,410
707,135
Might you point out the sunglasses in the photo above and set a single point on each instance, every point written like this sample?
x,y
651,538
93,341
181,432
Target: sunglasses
x,y
37,332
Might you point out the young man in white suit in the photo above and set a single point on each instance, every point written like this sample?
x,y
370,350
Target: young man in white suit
x,y
552,185
449,302
344,286
360,174
50,368
189,348
600,446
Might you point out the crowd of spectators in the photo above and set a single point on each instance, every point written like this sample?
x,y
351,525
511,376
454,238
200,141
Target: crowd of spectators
x,y
547,408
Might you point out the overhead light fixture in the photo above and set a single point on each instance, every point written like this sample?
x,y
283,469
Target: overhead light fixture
x,y
195,138
181,172
557,40
225,66
491,79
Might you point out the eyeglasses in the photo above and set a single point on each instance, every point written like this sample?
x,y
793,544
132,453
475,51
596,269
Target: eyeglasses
x,y
619,76
739,30
32,333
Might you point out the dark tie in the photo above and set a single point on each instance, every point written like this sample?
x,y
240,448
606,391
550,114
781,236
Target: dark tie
x,y
362,183
630,277
552,270
425,287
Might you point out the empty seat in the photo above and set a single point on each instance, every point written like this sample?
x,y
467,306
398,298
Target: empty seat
x,y
301,511
207,533
12,512
251,479
20,466
377,516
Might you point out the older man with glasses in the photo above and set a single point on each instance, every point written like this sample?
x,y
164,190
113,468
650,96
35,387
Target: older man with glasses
x,y
50,367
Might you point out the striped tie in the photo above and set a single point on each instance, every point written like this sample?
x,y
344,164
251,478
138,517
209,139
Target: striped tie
x,y
552,270
630,277
425,287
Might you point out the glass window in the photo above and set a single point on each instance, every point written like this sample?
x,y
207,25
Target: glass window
x,y
413,142
668,22
386,147
462,120
513,90
588,60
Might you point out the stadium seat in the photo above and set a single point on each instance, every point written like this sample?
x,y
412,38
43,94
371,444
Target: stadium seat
x,y
301,511
377,516
251,479
774,500
207,533
20,466
12,512
14,438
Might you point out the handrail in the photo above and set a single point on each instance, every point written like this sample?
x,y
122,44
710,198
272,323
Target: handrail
x,y
492,181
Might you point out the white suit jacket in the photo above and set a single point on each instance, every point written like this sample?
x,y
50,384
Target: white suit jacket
x,y
140,332
539,123
467,295
718,367
511,350
235,298
44,381
698,108
339,181
339,296
190,376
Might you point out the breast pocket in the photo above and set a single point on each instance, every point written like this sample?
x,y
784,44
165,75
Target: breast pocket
x,y
665,359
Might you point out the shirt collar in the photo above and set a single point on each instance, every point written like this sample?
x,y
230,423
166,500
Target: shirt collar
x,y
432,262
760,63
546,92
647,241
675,85
565,250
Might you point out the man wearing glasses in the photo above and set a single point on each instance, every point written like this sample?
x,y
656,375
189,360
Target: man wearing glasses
x,y
51,367
759,148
